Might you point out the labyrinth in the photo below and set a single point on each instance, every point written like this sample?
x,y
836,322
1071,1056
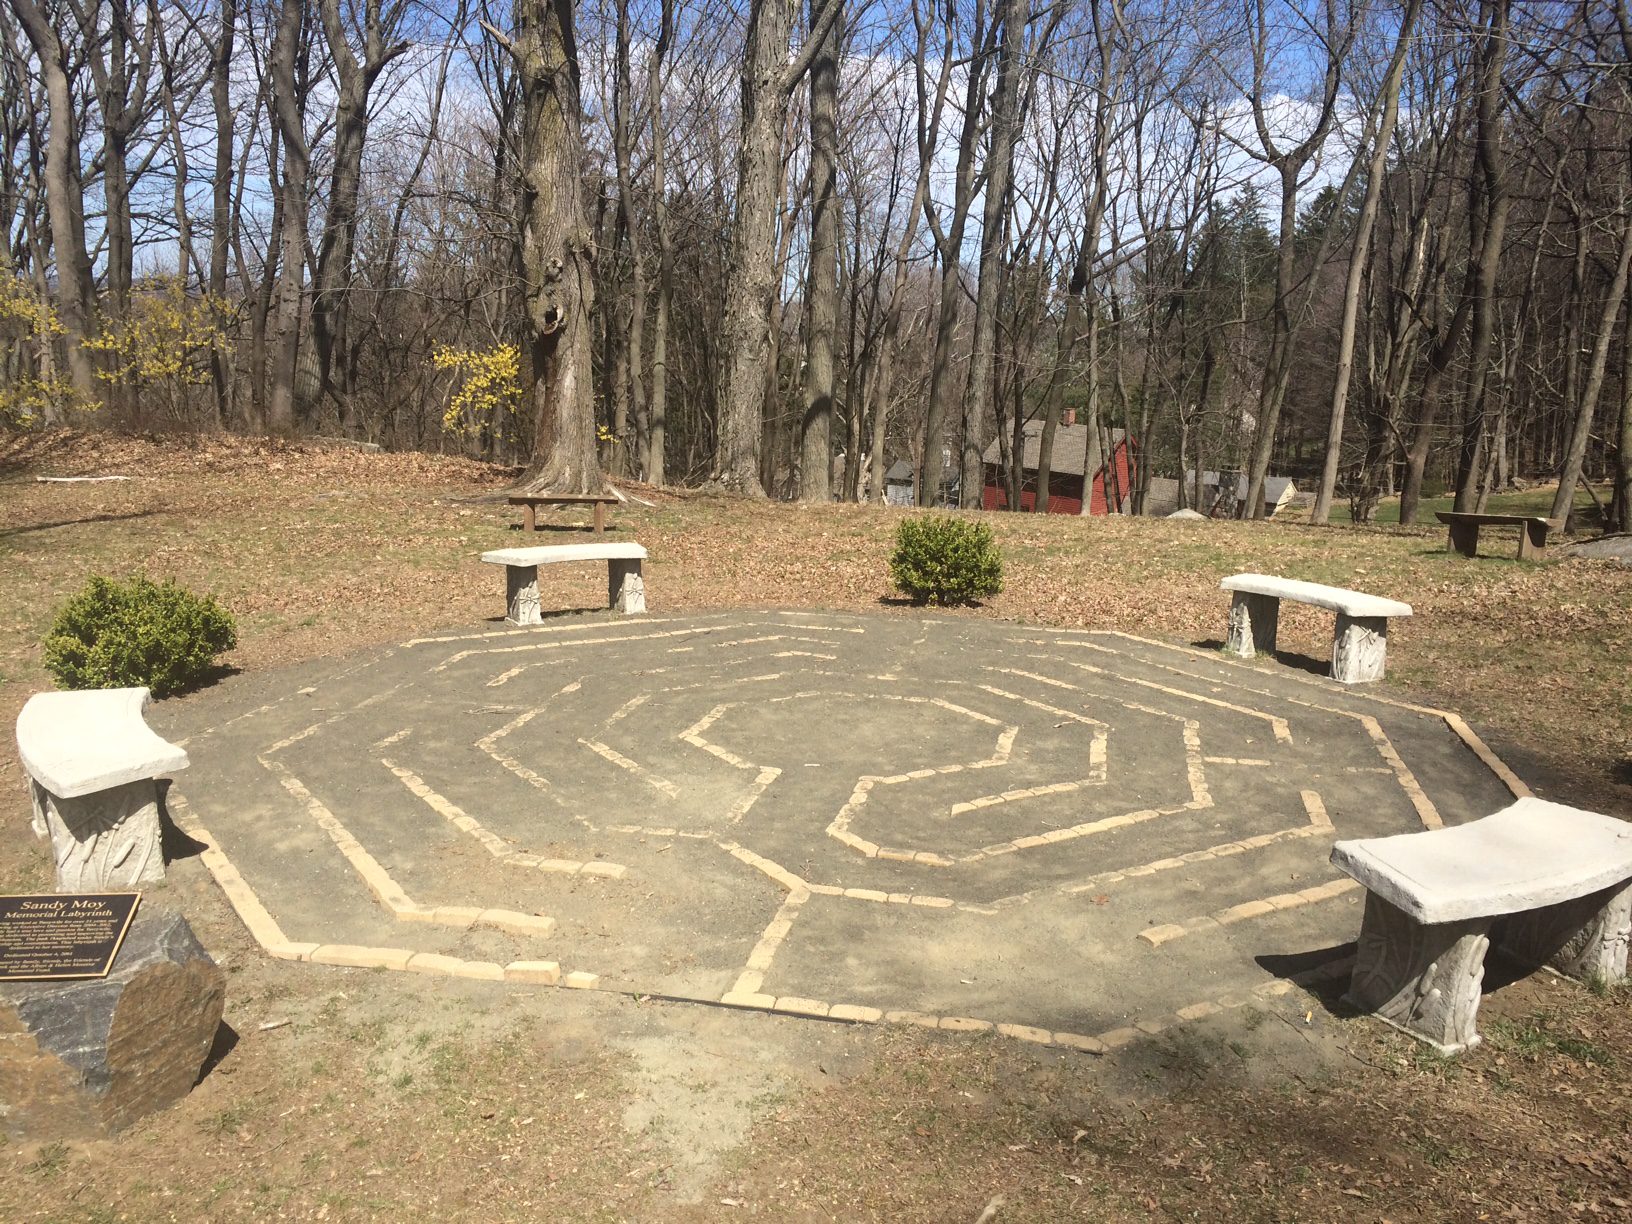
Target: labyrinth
x,y
1072,837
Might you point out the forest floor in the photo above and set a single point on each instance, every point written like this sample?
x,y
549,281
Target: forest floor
x,y
355,1095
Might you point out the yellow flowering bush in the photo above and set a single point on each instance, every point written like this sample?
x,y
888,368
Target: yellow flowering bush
x,y
165,340
487,386
26,394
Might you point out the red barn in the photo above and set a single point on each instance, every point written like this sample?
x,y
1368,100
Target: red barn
x,y
1112,484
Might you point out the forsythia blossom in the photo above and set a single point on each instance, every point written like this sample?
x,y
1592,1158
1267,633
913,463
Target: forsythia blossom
x,y
488,385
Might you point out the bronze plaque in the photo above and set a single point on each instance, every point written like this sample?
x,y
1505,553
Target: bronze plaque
x,y
47,936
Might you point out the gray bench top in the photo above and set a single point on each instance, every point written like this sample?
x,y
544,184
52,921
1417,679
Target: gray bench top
x,y
1498,520
1350,603
1530,854
547,553
81,742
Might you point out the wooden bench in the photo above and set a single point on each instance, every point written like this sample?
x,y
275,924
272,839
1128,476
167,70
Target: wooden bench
x,y
1359,643
626,590
530,502
93,764
1548,884
1464,531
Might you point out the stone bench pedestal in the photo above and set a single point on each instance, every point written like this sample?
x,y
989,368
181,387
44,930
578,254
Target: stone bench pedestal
x,y
626,590
1359,643
107,841
1546,884
93,764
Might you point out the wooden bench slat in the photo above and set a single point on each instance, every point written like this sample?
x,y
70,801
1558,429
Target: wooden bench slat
x,y
1496,520
562,499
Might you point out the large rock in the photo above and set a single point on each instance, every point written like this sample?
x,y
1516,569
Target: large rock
x,y
85,1059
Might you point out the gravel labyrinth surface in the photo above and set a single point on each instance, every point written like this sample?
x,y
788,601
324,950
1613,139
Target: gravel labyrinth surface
x,y
1072,836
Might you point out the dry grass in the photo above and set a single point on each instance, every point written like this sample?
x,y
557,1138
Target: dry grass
x,y
382,1103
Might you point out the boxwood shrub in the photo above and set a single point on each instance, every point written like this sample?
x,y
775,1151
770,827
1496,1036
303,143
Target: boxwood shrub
x,y
943,560
137,633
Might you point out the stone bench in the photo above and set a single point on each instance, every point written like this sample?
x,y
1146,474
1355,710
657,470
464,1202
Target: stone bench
x,y
626,590
93,765
1548,884
1359,644
1464,531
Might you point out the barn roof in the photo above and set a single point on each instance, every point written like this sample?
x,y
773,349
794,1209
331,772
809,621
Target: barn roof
x,y
1070,448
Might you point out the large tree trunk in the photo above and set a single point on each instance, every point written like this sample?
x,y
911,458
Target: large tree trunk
x,y
64,199
751,277
556,251
626,325
288,102
815,435
658,405
767,81
752,274
221,204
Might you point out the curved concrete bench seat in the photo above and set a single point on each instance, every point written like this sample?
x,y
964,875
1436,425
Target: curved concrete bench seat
x,y
92,763
626,590
1550,885
1359,643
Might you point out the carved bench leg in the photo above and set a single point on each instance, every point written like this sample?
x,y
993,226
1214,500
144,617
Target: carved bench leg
x,y
1253,621
1585,938
106,841
1532,541
36,795
521,595
1464,539
1422,979
1359,648
626,590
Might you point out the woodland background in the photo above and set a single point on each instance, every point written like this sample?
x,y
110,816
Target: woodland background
x,y
1381,247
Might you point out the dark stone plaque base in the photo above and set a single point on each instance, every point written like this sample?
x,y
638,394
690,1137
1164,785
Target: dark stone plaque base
x,y
82,1060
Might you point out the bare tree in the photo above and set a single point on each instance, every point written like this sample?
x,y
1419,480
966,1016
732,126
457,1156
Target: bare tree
x,y
1013,19
289,101
658,404
64,195
380,21
768,80
1288,161
556,248
1360,252
822,280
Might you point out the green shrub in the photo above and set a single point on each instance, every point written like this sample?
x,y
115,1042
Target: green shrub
x,y
943,560
140,633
